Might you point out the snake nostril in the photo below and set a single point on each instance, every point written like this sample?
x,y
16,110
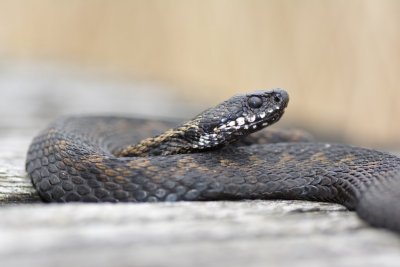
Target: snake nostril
x,y
278,98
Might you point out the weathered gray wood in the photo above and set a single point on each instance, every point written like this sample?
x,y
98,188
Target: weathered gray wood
x,y
15,186
253,233
246,233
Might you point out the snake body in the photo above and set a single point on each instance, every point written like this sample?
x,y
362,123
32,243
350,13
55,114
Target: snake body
x,y
212,157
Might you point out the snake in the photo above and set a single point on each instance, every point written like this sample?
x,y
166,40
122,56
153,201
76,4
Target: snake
x,y
225,153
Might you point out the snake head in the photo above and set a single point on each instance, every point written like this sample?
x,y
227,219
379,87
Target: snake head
x,y
238,116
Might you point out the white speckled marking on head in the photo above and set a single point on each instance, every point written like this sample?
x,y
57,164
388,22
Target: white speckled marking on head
x,y
240,121
251,118
231,123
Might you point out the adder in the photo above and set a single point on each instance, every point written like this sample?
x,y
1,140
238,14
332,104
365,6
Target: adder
x,y
211,157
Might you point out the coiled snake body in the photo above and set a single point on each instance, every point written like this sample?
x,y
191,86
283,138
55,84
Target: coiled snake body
x,y
99,159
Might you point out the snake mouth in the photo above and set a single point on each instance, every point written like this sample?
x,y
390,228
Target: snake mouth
x,y
264,121
251,123
243,125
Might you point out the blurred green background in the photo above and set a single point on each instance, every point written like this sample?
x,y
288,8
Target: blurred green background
x,y
339,59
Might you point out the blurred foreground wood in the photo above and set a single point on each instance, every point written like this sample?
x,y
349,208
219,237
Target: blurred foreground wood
x,y
244,233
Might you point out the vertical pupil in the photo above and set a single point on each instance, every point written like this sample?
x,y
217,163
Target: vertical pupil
x,y
255,102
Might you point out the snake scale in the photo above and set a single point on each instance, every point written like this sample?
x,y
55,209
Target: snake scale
x,y
211,157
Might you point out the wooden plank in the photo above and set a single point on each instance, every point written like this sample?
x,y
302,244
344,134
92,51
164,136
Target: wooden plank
x,y
15,186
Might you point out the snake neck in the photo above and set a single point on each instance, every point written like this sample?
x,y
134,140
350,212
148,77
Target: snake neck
x,y
173,141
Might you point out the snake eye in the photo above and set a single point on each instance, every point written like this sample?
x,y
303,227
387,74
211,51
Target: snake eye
x,y
255,102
